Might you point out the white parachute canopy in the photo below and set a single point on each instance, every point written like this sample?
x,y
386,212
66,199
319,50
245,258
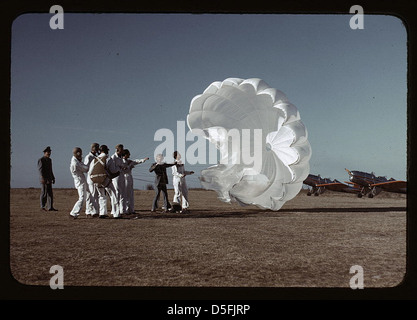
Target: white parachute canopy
x,y
264,150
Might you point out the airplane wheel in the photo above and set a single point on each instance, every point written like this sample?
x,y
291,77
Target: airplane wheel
x,y
316,194
359,195
308,193
370,195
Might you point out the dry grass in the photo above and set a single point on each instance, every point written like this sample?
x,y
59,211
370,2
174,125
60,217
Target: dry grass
x,y
310,242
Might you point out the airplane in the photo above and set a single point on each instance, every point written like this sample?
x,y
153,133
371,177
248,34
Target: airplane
x,y
319,185
372,185
314,182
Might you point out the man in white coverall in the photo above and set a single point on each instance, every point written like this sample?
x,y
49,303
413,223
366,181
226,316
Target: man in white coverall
x,y
180,186
91,201
78,168
116,165
107,187
130,200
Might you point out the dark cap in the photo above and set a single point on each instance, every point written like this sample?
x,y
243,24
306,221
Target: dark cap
x,y
104,148
47,149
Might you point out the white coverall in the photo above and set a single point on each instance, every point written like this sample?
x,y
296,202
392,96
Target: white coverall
x,y
180,186
78,169
102,197
116,165
130,200
91,201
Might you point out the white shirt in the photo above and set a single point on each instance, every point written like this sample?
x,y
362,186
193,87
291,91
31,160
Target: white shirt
x,y
130,164
116,163
179,172
77,169
87,161
88,158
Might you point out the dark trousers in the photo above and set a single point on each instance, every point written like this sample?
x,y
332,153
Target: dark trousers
x,y
47,196
158,189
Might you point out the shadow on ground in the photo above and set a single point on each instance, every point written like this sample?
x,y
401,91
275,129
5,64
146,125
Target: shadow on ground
x,y
196,214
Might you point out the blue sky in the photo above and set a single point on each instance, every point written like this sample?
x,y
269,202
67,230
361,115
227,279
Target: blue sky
x,y
118,78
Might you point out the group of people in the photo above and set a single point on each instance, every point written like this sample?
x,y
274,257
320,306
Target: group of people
x,y
114,181
118,182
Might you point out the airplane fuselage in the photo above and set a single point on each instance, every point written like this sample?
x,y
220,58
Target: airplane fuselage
x,y
365,179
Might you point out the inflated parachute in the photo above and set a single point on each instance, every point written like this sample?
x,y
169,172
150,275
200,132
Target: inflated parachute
x,y
277,144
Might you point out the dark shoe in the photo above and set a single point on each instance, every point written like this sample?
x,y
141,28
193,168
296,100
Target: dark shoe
x,y
104,217
52,209
43,209
95,216
73,217
119,217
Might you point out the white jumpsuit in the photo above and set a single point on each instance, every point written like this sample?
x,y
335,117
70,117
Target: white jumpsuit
x,y
116,165
78,169
180,186
91,201
130,199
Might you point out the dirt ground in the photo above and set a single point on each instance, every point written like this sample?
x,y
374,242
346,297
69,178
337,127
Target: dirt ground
x,y
311,242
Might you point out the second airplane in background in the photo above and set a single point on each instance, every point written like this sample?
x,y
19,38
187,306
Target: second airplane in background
x,y
372,185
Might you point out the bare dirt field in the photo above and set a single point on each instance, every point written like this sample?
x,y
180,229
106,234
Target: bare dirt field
x,y
311,242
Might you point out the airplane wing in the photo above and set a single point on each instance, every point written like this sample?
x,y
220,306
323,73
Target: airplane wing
x,y
391,185
355,185
330,184
337,186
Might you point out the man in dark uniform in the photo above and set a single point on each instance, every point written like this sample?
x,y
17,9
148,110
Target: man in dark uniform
x,y
161,181
47,178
